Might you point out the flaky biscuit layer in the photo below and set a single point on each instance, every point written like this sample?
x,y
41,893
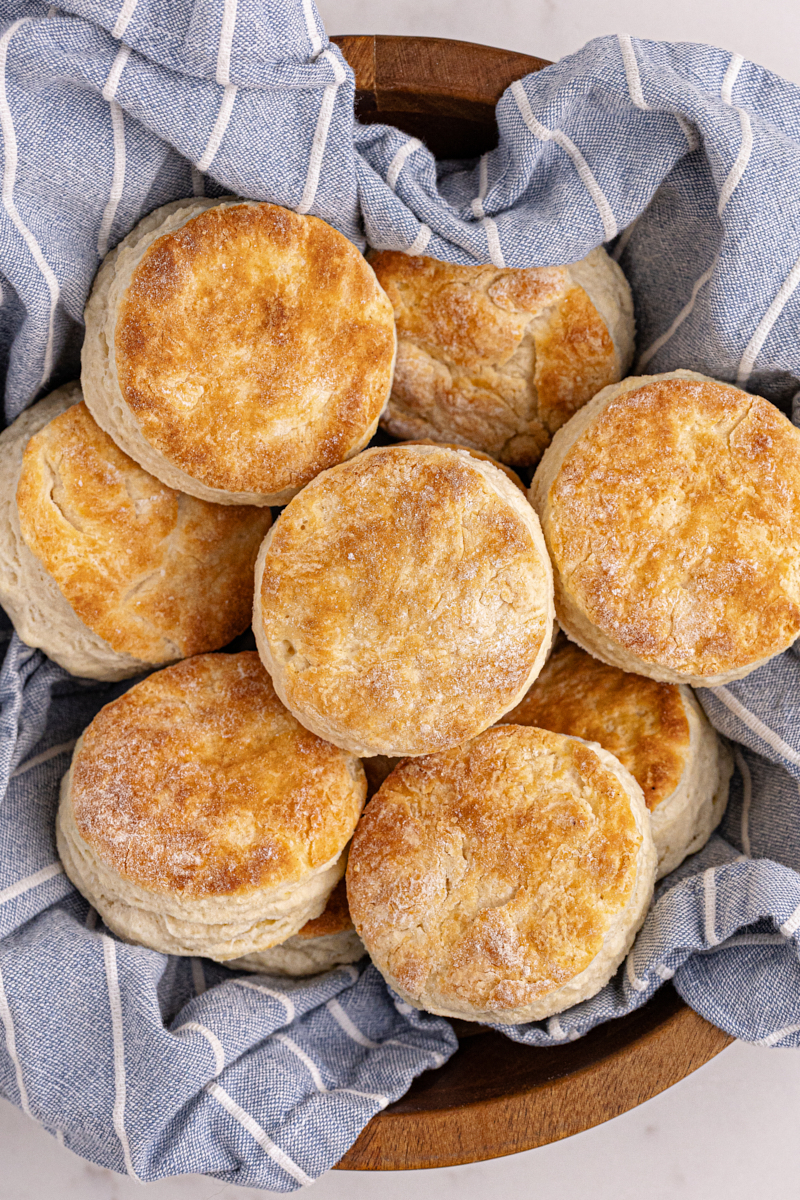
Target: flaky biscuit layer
x,y
326,942
156,574
41,613
200,818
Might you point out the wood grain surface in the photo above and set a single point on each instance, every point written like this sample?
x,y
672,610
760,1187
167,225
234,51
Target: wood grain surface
x,y
495,1097
441,91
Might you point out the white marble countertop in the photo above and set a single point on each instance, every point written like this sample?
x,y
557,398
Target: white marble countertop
x,y
729,1130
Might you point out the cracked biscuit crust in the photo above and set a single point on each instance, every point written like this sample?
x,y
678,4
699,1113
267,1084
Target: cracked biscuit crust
x,y
198,783
497,359
671,508
503,880
403,600
639,721
657,731
156,574
236,349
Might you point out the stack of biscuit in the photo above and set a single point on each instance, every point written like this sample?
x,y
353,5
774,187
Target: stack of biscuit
x,y
200,818
524,795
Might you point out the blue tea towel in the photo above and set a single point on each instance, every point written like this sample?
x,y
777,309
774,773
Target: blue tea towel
x,y
685,160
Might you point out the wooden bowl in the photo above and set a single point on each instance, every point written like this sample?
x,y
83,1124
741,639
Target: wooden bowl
x,y
495,1097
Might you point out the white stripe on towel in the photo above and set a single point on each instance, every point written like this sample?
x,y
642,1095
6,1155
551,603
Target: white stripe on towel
x,y
381,1100
689,132
490,226
739,167
115,1005
747,797
636,983
420,242
260,987
635,87
710,896
211,1038
260,1135
764,329
223,78
115,74
631,70
746,146
124,18
731,75
791,926
44,757
773,1038
399,161
747,939
321,134
118,128
220,125
30,882
314,1072
311,26
566,144
11,1046
343,1021
226,43
757,725
9,180
734,176
676,324
307,1062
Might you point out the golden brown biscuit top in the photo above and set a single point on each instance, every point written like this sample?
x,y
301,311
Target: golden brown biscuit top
x,y
198,781
157,574
254,347
334,919
639,721
479,454
675,525
491,873
403,597
495,358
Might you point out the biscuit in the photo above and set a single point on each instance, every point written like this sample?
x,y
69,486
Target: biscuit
x,y
671,509
236,349
102,566
504,880
200,818
497,358
328,941
403,600
658,732
509,474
